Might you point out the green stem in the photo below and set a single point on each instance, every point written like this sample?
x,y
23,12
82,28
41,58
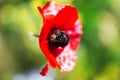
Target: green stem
x,y
36,35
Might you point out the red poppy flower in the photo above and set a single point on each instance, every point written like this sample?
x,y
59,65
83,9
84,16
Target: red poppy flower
x,y
60,36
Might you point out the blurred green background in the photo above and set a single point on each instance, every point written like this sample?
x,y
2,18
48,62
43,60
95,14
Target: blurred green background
x,y
99,51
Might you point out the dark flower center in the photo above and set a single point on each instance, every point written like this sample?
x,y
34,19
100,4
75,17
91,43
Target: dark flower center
x,y
58,38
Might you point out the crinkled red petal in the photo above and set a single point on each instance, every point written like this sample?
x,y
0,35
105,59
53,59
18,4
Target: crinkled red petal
x,y
66,18
44,70
44,46
50,10
67,58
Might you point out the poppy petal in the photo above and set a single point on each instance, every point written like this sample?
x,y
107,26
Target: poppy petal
x,y
50,9
44,46
44,70
66,18
67,58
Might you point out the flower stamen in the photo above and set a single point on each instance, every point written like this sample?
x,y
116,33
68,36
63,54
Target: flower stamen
x,y
58,38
